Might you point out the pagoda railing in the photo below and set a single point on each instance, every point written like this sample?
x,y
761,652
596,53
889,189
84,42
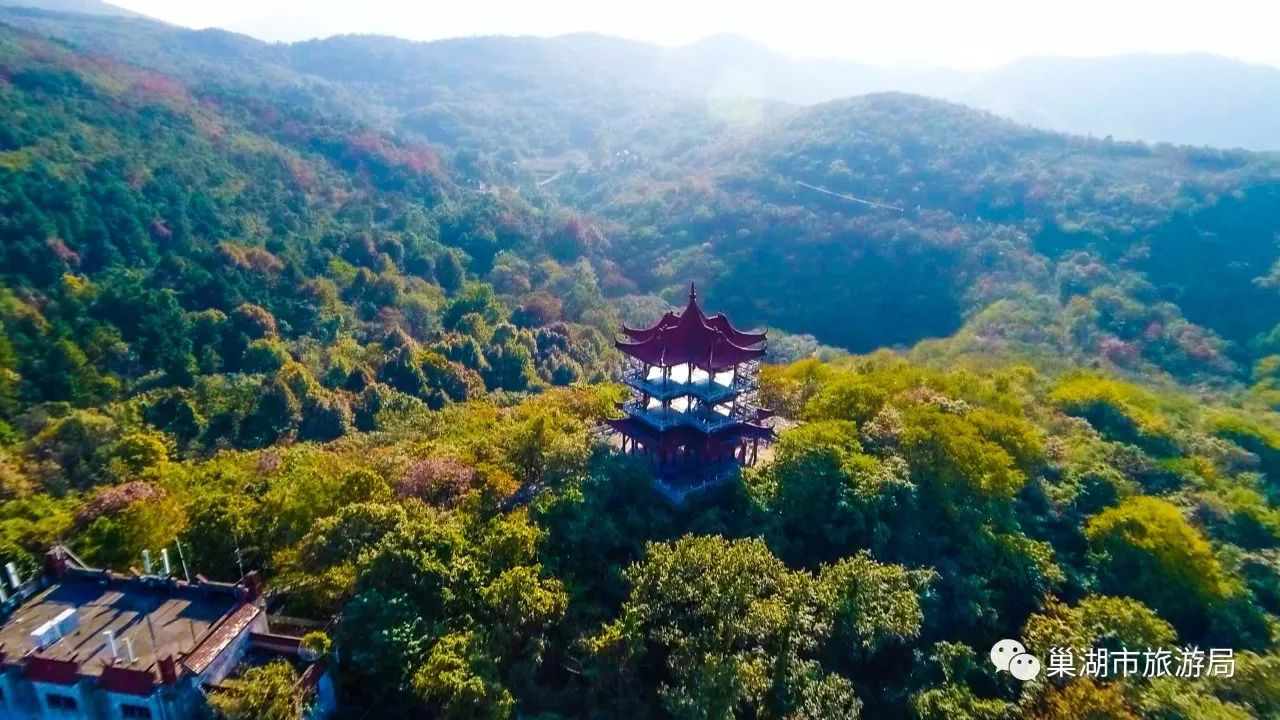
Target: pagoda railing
x,y
707,390
702,419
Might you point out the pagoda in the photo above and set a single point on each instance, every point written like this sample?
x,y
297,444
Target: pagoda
x,y
693,380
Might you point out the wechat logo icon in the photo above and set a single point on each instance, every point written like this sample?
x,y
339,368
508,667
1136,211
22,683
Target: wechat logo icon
x,y
1012,657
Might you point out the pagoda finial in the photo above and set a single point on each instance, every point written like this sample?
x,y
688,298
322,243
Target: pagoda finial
x,y
693,292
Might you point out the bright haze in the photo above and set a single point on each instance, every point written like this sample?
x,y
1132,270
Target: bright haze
x,y
970,35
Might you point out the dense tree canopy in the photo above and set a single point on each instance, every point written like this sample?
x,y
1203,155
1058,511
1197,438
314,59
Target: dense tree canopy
x,y
238,317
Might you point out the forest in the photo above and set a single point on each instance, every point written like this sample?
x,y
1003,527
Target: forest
x,y
255,302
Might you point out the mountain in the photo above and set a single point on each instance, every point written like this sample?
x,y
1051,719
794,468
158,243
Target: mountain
x,y
1188,99
185,247
249,313
1151,259
85,7
921,218
434,88
520,98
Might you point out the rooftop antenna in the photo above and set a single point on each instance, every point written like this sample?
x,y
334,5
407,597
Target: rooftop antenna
x,y
128,646
146,562
239,560
183,559
111,643
12,571
164,559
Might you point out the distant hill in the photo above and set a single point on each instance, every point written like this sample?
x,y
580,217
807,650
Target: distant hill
x,y
87,7
563,88
1006,237
922,218
522,98
1191,99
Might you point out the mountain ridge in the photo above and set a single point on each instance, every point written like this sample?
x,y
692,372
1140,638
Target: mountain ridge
x,y
665,186
927,217
1188,98
85,7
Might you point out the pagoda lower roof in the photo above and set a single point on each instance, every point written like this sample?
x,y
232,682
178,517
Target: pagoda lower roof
x,y
685,435
691,337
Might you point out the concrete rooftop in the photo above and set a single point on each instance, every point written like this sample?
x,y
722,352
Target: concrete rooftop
x,y
159,621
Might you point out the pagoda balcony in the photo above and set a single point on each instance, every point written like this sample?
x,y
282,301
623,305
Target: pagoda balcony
x,y
702,419
705,388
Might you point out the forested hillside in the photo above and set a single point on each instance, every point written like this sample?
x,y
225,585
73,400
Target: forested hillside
x,y
1181,98
918,218
247,271
507,102
86,7
248,306
1148,259
915,515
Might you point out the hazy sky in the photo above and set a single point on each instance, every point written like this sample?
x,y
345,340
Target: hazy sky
x,y
960,33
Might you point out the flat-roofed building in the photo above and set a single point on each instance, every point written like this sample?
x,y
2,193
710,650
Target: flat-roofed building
x,y
91,643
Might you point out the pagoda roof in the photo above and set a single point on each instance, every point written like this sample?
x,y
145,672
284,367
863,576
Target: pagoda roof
x,y
692,337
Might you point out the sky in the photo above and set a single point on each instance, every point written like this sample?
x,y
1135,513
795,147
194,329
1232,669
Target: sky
x,y
967,34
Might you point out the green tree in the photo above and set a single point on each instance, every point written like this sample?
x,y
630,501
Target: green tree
x,y
277,412
325,416
460,679
720,628
449,272
116,538
823,496
1147,550
953,696
260,693
138,451
1098,621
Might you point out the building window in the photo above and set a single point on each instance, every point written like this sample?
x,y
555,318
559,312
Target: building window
x,y
60,703
135,712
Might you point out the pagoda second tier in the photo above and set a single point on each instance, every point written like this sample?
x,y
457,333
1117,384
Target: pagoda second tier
x,y
665,383
698,416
